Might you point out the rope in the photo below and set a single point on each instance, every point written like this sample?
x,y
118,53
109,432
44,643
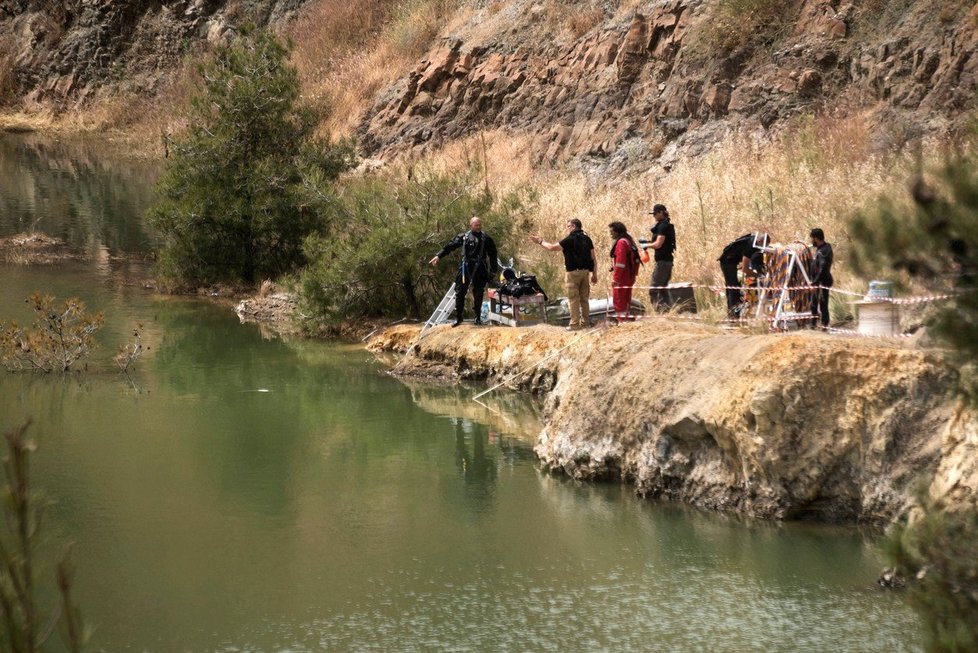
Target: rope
x,y
530,367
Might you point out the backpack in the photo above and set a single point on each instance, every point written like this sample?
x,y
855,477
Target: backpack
x,y
636,261
729,253
522,286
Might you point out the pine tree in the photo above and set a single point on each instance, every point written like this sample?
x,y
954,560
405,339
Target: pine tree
x,y
247,181
935,243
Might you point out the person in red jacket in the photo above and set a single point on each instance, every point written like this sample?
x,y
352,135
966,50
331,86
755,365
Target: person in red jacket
x,y
624,269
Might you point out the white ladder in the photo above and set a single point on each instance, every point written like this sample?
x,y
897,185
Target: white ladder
x,y
440,316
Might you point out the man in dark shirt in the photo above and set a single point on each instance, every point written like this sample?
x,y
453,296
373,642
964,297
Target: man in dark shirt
x,y
664,244
822,277
581,270
737,255
479,263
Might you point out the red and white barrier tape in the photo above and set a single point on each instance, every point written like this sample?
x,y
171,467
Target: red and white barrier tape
x,y
719,289
612,314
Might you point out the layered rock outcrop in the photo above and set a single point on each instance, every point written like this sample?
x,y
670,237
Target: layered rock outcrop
x,y
645,86
63,52
621,86
792,426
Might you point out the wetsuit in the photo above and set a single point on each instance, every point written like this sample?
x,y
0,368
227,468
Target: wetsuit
x,y
479,264
822,276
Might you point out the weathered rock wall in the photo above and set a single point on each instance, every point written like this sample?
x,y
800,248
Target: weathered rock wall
x,y
63,52
805,425
650,86
626,87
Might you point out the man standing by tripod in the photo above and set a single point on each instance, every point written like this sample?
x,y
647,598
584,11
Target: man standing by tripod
x,y
821,277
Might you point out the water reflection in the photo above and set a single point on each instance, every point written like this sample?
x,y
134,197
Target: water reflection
x,y
79,191
266,494
508,414
476,465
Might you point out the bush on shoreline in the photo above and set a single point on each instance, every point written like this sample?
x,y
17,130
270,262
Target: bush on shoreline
x,y
933,242
248,181
939,554
375,262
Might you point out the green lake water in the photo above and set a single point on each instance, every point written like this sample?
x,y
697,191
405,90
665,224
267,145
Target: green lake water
x,y
245,493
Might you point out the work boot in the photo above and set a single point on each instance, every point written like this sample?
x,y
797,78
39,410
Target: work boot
x,y
456,323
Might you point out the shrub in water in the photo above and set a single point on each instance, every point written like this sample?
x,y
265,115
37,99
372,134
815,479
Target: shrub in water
x,y
59,337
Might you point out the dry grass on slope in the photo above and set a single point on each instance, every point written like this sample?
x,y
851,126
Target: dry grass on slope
x,y
348,52
817,174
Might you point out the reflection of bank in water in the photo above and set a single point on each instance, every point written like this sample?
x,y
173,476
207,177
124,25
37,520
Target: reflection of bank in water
x,y
507,414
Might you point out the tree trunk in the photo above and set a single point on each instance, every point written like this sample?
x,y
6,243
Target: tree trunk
x,y
412,300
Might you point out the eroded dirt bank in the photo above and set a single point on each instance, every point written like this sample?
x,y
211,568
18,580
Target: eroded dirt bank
x,y
805,425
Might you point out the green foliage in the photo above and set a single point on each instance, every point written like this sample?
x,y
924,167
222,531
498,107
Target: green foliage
x,y
58,339
939,551
377,264
934,243
737,24
247,181
22,629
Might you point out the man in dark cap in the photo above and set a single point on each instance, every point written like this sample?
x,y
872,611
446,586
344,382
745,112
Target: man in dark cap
x,y
664,244
821,277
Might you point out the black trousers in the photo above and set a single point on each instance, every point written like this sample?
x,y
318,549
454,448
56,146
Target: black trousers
x,y
661,274
820,307
734,296
477,281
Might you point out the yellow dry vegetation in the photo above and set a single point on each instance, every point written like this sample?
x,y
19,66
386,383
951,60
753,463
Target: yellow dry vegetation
x,y
815,174
347,52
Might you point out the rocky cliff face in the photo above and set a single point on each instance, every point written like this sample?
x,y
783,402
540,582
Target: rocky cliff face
x,y
626,82
652,84
60,53
775,427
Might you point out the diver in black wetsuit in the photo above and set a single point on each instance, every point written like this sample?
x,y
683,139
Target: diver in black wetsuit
x,y
479,264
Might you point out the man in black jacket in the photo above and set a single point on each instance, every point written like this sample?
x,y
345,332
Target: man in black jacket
x,y
821,276
737,256
479,264
664,244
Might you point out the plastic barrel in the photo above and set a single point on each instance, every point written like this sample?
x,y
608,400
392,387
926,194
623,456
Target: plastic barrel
x,y
878,318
